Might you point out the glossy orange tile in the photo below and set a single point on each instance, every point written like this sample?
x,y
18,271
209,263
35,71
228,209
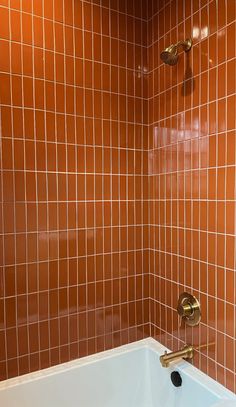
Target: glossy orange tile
x,y
197,179
119,167
51,168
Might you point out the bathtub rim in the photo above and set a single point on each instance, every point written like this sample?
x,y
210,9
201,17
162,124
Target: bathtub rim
x,y
148,343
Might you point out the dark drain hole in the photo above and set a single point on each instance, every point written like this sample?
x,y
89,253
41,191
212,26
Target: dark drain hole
x,y
176,379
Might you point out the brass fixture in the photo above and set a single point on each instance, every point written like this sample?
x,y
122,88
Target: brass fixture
x,y
185,353
189,309
170,55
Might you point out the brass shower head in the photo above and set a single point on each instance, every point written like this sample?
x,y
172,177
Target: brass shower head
x,y
170,55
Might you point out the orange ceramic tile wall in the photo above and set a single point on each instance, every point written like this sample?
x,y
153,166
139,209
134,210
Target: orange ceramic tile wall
x,y
74,167
192,172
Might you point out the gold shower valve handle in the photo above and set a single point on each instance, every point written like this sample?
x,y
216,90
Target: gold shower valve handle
x,y
185,310
189,309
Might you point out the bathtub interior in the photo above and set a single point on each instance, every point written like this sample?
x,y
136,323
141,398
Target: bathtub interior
x,y
129,376
113,381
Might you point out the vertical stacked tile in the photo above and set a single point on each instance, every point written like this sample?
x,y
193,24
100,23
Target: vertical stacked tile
x,y
74,169
192,171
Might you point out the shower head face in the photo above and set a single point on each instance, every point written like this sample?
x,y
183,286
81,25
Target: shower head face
x,y
170,55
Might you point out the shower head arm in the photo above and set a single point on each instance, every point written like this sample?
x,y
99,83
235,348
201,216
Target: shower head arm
x,y
186,45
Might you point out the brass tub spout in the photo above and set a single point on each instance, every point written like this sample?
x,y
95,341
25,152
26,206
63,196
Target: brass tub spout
x,y
185,353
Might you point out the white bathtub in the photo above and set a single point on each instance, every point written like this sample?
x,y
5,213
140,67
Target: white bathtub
x,y
129,376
